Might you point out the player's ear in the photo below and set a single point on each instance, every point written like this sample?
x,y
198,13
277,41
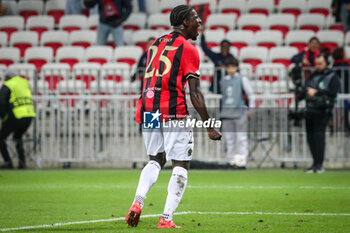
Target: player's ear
x,y
186,23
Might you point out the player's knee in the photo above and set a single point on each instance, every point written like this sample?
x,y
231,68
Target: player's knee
x,y
183,164
159,158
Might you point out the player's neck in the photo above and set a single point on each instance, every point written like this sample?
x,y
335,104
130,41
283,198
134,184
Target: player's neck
x,y
178,30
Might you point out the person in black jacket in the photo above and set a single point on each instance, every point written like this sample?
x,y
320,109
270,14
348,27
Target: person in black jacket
x,y
112,14
308,55
320,92
340,10
218,59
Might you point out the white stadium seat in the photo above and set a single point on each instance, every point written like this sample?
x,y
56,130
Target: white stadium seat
x,y
3,39
252,22
29,8
86,72
295,7
281,22
265,7
127,54
298,39
99,54
135,21
240,38
70,55
141,37
117,72
26,71
159,22
214,37
10,24
347,39
330,39
313,22
71,23
38,56
237,7
9,56
319,7
3,69
167,5
221,21
92,22
11,7
254,55
271,72
84,38
40,24
54,39
55,8
53,73
282,55
268,38
246,70
23,40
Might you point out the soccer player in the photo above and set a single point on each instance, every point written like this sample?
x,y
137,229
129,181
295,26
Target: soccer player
x,y
172,62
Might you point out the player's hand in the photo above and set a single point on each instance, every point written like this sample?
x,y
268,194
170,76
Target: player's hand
x,y
213,134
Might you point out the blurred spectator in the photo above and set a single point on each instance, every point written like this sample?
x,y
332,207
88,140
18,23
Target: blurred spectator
x,y
140,69
340,10
2,9
234,114
142,6
308,56
73,7
218,59
342,69
112,14
320,92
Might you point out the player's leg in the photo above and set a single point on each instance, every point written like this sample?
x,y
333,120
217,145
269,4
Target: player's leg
x,y
154,142
5,131
178,143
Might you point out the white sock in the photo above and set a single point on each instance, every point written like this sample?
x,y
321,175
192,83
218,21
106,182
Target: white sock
x,y
176,189
148,177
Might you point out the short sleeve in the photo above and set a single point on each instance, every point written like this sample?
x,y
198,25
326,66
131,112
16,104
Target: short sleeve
x,y
190,61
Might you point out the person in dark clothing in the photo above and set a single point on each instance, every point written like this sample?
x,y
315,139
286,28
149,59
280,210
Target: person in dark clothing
x,y
307,57
341,67
112,14
218,59
340,10
320,92
16,113
141,66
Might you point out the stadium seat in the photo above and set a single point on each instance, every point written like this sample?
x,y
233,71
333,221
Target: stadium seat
x,y
347,39
71,23
252,22
128,37
55,8
313,22
240,38
92,22
158,22
282,55
40,24
332,25
3,69
70,55
298,39
221,21
9,56
83,38
214,37
27,8
54,39
127,54
330,39
260,7
11,7
11,24
53,73
71,88
237,7
295,7
271,72
233,50
268,38
136,21
281,22
104,87
23,40
319,7
3,39
38,56
140,37
246,70
167,5
116,72
27,71
99,54
253,55
207,72
86,72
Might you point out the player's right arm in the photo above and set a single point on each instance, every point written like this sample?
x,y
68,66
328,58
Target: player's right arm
x,y
198,102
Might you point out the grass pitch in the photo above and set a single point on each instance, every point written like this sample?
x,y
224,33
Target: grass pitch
x,y
256,200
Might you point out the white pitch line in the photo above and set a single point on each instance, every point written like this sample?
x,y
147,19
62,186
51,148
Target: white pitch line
x,y
180,213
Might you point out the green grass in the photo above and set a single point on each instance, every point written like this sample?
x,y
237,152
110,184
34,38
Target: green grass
x,y
36,197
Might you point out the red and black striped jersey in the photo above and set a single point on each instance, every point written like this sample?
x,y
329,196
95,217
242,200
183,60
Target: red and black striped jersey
x,y
171,60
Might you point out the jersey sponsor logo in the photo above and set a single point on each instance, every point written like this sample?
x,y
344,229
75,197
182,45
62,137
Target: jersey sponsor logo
x,y
150,94
151,120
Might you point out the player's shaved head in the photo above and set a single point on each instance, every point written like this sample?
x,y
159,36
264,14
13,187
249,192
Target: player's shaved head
x,y
179,14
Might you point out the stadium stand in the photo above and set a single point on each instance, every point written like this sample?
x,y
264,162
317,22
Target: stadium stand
x,y
71,23
98,54
313,22
3,39
92,22
9,56
11,24
237,7
214,37
70,55
282,55
240,38
30,8
55,8
295,7
330,39
25,70
220,21
24,40
252,22
167,5
38,56
83,38
53,73
135,22
158,22
265,7
127,54
254,55
40,24
281,22
86,72
54,39
298,39
268,38
319,7
140,37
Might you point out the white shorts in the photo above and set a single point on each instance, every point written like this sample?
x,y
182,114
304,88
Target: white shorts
x,y
177,142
